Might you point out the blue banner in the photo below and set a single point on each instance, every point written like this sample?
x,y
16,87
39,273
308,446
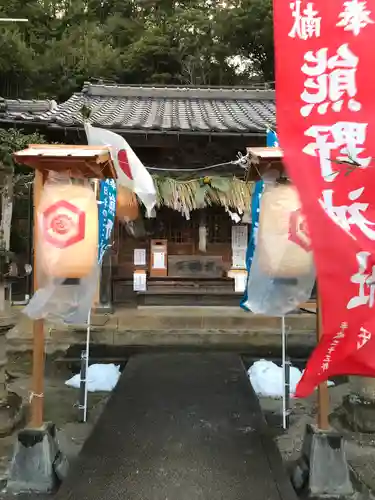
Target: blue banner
x,y
255,209
107,212
272,142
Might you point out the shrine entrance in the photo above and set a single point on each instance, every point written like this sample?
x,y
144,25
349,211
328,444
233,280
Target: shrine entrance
x,y
199,246
199,258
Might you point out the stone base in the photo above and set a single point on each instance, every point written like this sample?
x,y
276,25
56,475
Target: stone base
x,y
322,469
359,414
104,309
32,466
61,466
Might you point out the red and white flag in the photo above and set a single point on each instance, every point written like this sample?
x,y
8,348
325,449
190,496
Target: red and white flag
x,y
131,172
326,119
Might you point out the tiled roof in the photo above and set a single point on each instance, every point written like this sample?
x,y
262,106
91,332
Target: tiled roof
x,y
22,110
169,109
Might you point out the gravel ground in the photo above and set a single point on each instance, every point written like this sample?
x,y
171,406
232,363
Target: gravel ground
x,y
60,408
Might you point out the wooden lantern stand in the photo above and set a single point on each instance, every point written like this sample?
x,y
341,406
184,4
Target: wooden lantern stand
x,y
322,469
84,162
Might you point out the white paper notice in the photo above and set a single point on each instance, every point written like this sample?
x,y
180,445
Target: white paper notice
x,y
139,282
159,260
239,259
240,282
239,237
139,257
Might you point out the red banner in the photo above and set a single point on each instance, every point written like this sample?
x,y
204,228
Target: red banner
x,y
325,81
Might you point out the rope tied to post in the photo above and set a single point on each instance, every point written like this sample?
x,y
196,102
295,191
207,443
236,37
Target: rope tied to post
x,y
33,395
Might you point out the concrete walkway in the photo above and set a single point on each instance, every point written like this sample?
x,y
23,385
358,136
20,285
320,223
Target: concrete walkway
x,y
180,427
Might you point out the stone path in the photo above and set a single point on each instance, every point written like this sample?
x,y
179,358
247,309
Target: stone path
x,y
180,426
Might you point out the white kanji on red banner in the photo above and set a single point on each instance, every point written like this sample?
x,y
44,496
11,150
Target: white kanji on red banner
x,y
333,345
346,137
355,16
364,336
352,214
330,80
306,21
365,279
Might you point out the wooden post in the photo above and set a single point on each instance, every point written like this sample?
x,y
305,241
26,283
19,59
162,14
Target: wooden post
x,y
37,389
323,395
96,302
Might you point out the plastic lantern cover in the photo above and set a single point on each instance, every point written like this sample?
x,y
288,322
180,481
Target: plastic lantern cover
x,y
282,274
67,246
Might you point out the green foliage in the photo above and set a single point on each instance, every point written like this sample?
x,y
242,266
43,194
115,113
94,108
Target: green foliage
x,y
13,140
132,41
248,28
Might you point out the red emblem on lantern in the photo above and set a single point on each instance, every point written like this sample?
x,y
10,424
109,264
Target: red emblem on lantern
x,y
63,224
298,231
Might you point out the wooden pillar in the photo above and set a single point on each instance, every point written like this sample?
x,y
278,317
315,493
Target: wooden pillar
x,y
37,389
202,231
323,395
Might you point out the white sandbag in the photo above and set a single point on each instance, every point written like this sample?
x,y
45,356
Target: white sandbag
x,y
267,379
100,378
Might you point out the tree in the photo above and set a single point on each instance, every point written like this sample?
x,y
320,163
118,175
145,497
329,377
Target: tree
x,y
13,179
146,60
80,55
12,182
248,29
132,41
203,57
15,61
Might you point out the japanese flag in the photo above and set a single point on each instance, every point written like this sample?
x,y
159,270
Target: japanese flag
x,y
131,172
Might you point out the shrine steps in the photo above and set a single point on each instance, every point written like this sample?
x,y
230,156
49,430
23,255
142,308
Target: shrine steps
x,y
148,327
179,292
